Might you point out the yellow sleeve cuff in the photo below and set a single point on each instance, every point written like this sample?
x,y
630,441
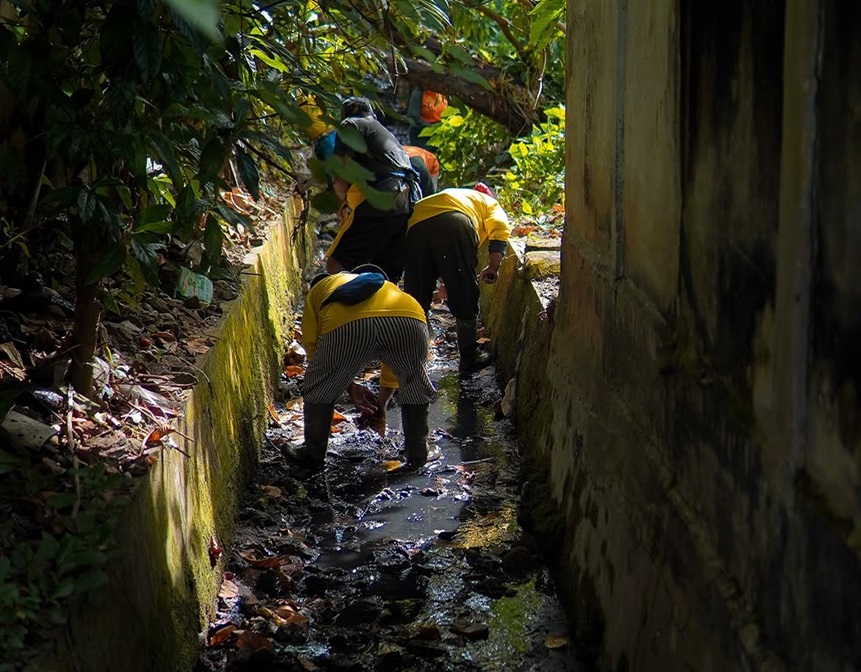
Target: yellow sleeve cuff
x,y
388,378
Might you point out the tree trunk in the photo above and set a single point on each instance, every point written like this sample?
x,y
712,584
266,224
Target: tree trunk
x,y
87,313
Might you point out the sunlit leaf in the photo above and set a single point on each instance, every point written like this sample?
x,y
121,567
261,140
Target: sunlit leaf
x,y
202,14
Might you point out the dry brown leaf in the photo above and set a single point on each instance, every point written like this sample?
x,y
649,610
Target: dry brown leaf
x,y
295,354
291,617
522,230
558,207
273,414
308,665
556,642
158,434
271,491
294,370
12,353
198,346
428,632
228,590
338,418
261,563
166,336
222,634
392,465
254,641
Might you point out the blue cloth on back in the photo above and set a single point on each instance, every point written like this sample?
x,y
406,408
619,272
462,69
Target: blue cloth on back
x,y
360,288
325,146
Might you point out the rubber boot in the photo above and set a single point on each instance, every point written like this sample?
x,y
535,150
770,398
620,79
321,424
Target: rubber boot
x,y
414,418
318,425
471,359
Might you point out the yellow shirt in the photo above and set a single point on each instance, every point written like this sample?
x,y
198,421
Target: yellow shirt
x,y
389,301
488,217
317,126
355,197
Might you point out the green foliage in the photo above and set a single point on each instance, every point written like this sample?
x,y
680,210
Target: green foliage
x,y
544,29
42,571
467,144
536,181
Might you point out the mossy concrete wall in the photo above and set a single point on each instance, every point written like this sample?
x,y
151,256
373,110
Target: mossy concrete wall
x,y
162,587
698,422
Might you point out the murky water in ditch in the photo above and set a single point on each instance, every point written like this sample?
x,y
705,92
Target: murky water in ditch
x,y
363,568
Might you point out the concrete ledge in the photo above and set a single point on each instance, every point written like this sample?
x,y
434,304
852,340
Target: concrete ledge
x,y
162,587
519,314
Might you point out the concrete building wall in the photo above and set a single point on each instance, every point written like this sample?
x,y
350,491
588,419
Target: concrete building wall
x,y
705,440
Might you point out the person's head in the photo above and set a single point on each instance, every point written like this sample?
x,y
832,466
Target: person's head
x,y
485,189
369,268
357,107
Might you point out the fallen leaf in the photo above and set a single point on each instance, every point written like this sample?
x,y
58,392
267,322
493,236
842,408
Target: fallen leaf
x,y
428,633
294,370
261,563
392,465
337,418
198,346
12,353
164,336
273,414
228,590
295,354
556,642
254,641
558,207
522,230
292,617
470,630
222,634
308,665
158,434
271,491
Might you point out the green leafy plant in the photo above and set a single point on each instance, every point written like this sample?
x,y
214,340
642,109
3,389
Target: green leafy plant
x,y
536,181
468,146
42,570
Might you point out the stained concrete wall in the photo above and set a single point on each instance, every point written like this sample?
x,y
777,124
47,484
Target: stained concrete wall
x,y
162,585
701,418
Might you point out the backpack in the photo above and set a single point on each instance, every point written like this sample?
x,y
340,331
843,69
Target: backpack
x,y
354,291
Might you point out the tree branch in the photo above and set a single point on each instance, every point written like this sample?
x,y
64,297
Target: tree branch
x,y
504,26
489,102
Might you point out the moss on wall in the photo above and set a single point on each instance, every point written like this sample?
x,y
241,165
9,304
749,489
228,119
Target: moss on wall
x,y
162,587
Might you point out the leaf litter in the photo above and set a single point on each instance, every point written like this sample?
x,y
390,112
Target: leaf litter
x,y
368,567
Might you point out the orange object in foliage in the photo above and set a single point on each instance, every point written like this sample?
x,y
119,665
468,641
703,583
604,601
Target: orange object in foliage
x,y
429,158
433,104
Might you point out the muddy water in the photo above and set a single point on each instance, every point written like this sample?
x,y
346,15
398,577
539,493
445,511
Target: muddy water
x,y
368,568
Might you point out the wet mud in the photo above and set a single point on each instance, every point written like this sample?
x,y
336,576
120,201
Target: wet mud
x,y
367,567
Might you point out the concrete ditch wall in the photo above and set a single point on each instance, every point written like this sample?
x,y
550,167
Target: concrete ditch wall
x,y
697,430
162,587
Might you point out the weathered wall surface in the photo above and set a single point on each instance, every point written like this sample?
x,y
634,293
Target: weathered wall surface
x,y
703,434
162,587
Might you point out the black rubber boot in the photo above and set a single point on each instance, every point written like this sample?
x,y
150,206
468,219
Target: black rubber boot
x,y
414,418
318,425
471,358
